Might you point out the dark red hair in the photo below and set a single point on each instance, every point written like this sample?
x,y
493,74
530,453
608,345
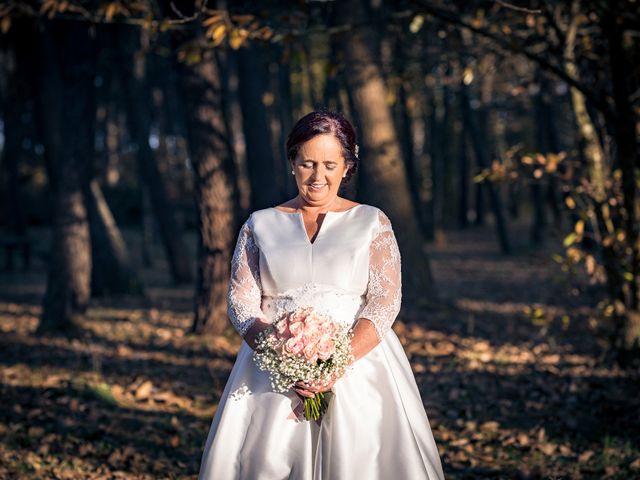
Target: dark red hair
x,y
322,123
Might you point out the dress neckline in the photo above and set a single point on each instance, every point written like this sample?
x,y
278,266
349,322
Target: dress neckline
x,y
322,226
300,213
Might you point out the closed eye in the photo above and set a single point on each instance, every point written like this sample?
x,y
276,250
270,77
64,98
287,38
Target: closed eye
x,y
328,165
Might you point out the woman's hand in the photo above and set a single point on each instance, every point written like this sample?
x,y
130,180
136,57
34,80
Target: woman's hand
x,y
363,341
254,331
307,390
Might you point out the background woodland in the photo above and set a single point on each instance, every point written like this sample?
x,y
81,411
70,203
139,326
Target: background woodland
x,y
501,138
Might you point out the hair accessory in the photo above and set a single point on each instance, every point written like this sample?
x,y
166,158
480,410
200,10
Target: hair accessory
x,y
357,149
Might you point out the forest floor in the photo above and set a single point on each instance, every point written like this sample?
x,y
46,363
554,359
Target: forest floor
x,y
510,366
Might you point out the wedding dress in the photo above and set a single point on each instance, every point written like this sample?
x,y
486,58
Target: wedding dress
x,y
376,426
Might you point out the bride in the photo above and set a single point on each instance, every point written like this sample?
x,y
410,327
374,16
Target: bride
x,y
341,258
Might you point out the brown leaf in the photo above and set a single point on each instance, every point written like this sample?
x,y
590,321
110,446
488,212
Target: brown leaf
x,y
175,423
489,426
565,450
144,390
85,449
115,457
547,448
460,442
35,432
585,456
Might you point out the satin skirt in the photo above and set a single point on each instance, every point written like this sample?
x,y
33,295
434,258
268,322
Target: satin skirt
x,y
375,427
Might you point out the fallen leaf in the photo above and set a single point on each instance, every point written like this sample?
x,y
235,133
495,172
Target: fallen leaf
x,y
585,456
144,390
547,448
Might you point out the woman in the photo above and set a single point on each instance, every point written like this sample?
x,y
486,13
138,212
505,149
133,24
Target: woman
x,y
341,258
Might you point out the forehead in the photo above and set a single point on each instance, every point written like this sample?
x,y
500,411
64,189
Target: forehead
x,y
321,147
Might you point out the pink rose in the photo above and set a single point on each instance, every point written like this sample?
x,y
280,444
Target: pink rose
x,y
311,353
312,332
296,326
295,345
326,348
330,329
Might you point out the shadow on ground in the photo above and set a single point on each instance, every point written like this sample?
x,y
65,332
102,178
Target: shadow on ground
x,y
132,394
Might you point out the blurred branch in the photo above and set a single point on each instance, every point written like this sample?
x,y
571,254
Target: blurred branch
x,y
516,8
601,103
184,18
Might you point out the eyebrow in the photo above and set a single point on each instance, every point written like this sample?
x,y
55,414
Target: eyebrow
x,y
325,161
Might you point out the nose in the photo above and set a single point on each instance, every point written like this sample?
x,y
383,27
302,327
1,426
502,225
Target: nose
x,y
318,171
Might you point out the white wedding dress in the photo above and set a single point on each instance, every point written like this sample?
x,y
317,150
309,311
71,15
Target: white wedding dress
x,y
376,426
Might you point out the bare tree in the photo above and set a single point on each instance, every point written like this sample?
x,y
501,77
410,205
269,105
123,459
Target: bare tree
x,y
69,62
216,197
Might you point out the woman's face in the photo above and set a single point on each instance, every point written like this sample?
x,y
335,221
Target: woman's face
x,y
319,168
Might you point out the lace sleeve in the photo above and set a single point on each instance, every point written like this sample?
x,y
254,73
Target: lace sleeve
x,y
244,294
384,291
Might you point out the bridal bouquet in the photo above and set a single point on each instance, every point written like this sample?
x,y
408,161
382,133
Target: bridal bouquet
x,y
304,345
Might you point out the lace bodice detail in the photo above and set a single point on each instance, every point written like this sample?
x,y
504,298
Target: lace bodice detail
x,y
353,269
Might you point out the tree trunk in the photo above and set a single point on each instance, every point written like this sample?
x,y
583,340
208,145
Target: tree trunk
x,y
332,85
593,149
113,272
627,156
253,78
438,123
480,204
463,181
539,224
482,158
229,100
595,157
136,94
343,104
405,121
385,183
312,80
548,128
147,226
214,174
69,54
14,105
285,114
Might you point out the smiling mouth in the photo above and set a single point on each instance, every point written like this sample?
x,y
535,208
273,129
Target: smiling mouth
x,y
318,186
